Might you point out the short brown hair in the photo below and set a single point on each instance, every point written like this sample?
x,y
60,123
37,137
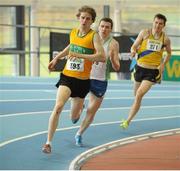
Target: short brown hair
x,y
87,9
109,20
162,17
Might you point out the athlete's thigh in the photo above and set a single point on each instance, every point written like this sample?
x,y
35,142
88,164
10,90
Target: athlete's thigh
x,y
144,87
136,86
63,94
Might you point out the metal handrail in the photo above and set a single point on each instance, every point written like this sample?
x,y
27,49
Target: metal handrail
x,y
66,29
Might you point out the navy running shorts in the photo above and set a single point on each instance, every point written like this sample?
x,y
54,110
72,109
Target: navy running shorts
x,y
98,88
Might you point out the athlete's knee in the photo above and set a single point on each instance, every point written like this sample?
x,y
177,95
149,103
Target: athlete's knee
x,y
138,98
140,93
58,107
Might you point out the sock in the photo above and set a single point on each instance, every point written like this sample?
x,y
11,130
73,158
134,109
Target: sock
x,y
78,134
48,142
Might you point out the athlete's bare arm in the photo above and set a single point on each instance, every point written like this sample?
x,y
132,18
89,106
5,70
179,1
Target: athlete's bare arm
x,y
57,57
138,41
167,47
114,54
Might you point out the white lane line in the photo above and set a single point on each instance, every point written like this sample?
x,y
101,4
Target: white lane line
x,y
26,100
106,98
29,83
28,90
100,109
109,90
116,84
81,158
26,113
74,127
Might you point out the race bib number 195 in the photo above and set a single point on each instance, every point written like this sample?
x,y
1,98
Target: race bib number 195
x,y
75,65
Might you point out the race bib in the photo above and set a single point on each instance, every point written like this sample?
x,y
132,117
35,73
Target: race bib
x,y
75,65
154,45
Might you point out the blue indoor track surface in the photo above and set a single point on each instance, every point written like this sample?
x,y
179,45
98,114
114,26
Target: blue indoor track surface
x,y
26,104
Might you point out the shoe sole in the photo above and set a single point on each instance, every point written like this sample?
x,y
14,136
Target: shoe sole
x,y
79,145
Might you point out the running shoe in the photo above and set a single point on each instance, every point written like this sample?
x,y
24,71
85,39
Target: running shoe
x,y
124,124
46,148
74,121
78,139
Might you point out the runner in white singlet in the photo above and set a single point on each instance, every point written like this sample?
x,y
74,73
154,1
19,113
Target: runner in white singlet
x,y
99,75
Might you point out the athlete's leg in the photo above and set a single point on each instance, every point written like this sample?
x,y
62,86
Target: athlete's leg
x,y
143,88
136,86
76,108
62,96
93,106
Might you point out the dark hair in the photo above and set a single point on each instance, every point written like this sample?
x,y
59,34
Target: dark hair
x,y
161,16
87,9
107,20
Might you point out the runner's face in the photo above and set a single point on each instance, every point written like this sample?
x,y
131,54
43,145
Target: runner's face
x,y
104,29
158,25
85,19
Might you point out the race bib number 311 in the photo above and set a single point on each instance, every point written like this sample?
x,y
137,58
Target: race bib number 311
x,y
75,65
154,45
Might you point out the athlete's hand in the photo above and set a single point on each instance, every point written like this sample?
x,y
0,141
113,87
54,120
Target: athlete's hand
x,y
133,53
52,64
73,56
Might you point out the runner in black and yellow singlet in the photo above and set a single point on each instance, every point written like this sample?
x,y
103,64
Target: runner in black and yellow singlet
x,y
149,45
